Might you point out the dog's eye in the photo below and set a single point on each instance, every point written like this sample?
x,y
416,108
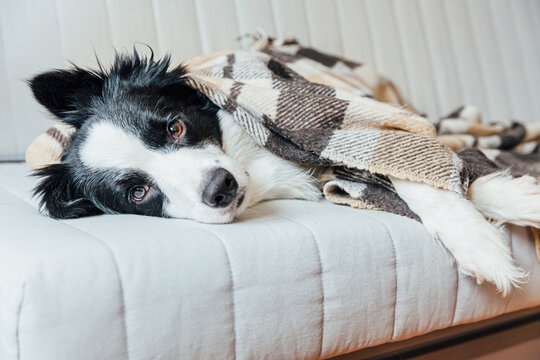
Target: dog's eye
x,y
139,192
176,129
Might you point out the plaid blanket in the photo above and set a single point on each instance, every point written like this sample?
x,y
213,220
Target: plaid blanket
x,y
344,118
321,110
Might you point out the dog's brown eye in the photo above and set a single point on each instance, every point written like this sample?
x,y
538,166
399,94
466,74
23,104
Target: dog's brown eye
x,y
176,129
139,192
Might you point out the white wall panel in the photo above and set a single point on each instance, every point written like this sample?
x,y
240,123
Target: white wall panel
x,y
434,20
8,143
465,54
496,88
132,22
218,24
32,43
529,46
534,12
386,43
177,28
74,20
252,15
354,30
442,53
416,58
290,19
512,59
322,18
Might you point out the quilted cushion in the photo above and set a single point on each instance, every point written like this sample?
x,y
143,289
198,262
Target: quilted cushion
x,y
289,280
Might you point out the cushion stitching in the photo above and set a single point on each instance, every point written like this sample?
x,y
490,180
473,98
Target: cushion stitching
x,y
28,202
394,253
395,270
511,243
120,280
232,286
230,269
321,275
457,293
17,330
121,285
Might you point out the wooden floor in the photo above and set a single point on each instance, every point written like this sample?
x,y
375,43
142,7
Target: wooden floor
x,y
509,337
520,343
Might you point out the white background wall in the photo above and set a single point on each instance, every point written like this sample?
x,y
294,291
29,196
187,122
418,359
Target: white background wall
x,y
442,53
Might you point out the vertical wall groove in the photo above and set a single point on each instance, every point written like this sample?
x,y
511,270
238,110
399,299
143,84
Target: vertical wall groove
x,y
354,30
291,20
274,20
488,101
486,109
434,81
526,43
178,28
32,42
310,35
534,13
408,92
321,19
453,52
338,28
158,29
512,64
204,44
464,54
438,44
495,84
416,58
252,15
158,47
109,22
241,30
62,39
386,47
369,30
8,143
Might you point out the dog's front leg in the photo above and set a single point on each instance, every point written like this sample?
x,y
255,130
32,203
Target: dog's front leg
x,y
478,247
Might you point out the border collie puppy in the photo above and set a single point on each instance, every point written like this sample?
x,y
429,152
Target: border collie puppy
x,y
148,144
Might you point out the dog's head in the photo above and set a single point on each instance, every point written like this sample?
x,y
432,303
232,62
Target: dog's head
x,y
145,143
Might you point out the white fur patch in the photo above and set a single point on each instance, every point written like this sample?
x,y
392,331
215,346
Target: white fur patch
x,y
472,114
478,247
453,126
502,197
489,142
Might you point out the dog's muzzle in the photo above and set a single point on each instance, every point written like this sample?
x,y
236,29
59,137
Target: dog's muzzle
x,y
221,188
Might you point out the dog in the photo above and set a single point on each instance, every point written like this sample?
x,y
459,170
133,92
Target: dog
x,y
148,144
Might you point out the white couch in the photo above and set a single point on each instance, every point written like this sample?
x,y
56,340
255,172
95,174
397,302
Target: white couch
x,y
292,279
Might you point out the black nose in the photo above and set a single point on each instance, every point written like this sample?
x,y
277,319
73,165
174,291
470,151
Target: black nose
x,y
220,190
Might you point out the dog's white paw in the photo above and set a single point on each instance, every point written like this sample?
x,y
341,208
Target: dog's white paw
x,y
478,247
480,250
514,200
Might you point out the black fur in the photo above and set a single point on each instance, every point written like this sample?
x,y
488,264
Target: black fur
x,y
60,196
140,95
67,93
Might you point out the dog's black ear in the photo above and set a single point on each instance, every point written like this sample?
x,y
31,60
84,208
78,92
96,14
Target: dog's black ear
x,y
66,93
178,91
59,195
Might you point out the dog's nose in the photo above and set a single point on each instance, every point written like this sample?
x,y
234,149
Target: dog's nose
x,y
221,189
